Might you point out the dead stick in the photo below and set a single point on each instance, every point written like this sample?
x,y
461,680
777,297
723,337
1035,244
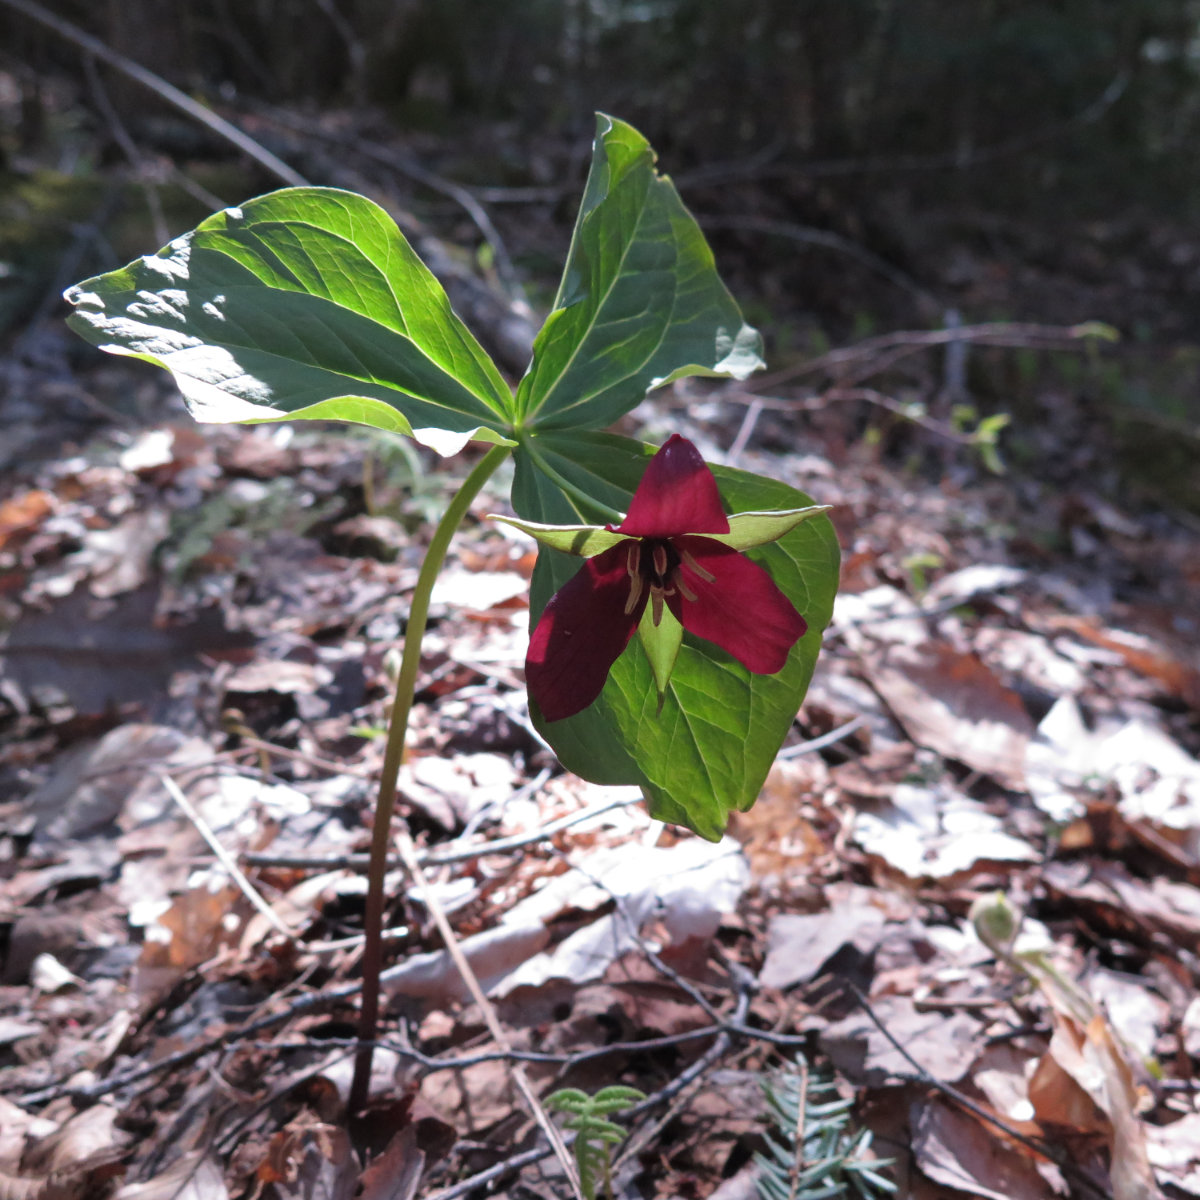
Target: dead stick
x,y
170,93
408,854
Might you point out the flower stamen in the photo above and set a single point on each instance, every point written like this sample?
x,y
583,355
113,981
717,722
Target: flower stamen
x,y
633,562
693,566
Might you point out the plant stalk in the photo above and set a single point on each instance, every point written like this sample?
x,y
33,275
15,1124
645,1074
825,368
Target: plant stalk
x,y
385,805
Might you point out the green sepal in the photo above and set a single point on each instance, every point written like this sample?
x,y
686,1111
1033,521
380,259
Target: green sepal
x,y
750,529
661,641
584,541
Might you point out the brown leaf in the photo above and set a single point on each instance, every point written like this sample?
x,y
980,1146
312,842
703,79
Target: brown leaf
x,y
309,1161
951,702
935,832
955,1149
23,512
1131,1174
396,1173
799,946
1176,669
194,1176
1175,1151
945,1047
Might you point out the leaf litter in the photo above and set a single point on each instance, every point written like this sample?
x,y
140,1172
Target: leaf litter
x,y
208,613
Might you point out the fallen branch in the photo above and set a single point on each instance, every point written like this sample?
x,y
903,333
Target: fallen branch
x,y
171,94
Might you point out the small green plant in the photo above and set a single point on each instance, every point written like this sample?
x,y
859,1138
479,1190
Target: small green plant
x,y
815,1154
595,1133
918,567
985,437
308,304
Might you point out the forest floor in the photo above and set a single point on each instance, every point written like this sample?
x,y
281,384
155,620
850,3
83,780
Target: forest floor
x,y
197,627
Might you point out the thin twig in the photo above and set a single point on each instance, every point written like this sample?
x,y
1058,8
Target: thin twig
x,y
745,431
1020,334
171,94
1037,1145
315,760
831,241
223,856
129,148
518,1162
408,854
419,174
438,858
720,1047
826,739
764,167
313,1002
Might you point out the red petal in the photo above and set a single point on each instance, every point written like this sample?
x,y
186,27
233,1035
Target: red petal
x,y
741,609
581,634
677,495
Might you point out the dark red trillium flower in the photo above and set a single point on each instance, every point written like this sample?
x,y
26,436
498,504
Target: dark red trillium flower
x,y
674,563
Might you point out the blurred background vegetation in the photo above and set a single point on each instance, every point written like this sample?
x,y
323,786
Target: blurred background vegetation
x,y
859,165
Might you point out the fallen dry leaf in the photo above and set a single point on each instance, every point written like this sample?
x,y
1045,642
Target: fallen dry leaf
x,y
952,703
943,1045
934,832
193,1176
954,1148
799,946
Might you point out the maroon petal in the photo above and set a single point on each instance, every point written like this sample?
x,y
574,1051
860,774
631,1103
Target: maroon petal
x,y
740,608
581,634
677,495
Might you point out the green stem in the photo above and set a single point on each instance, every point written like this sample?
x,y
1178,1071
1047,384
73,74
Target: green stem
x,y
418,614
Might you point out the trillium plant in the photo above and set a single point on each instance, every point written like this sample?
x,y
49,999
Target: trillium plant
x,y
309,304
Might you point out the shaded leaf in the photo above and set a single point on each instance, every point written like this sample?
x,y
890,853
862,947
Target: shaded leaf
x,y
640,302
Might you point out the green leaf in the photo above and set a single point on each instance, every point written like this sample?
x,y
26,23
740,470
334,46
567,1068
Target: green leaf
x,y
304,303
708,751
640,302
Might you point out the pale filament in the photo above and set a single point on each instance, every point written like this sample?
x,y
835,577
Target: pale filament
x,y
632,560
693,565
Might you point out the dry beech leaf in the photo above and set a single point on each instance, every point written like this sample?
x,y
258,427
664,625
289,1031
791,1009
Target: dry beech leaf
x,y
396,1173
1131,1175
799,945
309,1161
194,1176
954,1149
952,703
24,512
934,832
944,1046
687,888
1175,1151
1176,670
89,1136
282,676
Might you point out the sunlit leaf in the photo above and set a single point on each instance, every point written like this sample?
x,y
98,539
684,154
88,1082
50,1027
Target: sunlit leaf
x,y
305,303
